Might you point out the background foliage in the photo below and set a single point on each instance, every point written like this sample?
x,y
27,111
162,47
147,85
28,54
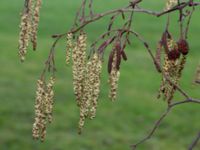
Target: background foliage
x,y
117,125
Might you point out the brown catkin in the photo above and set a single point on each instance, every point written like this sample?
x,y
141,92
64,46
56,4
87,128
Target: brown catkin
x,y
87,88
69,47
181,67
39,115
82,119
176,73
25,29
49,95
91,90
43,108
35,22
166,67
170,4
97,63
29,26
78,67
170,70
113,79
173,78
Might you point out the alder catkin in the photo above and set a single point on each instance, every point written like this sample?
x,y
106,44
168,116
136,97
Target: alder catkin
x,y
93,72
170,67
49,96
114,78
29,26
35,22
97,63
69,47
86,79
40,93
91,90
25,29
78,67
43,108
164,84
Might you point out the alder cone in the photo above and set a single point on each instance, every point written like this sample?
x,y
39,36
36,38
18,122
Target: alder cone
x,y
183,46
173,54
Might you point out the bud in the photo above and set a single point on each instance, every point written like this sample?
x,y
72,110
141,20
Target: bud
x,y
183,46
174,54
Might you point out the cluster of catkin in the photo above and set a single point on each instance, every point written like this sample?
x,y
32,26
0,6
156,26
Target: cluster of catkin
x,y
174,62
170,4
29,26
43,108
86,77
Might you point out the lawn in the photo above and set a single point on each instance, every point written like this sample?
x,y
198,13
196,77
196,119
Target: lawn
x,y
117,124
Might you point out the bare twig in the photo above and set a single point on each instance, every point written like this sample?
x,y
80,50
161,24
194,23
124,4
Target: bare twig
x,y
128,9
195,142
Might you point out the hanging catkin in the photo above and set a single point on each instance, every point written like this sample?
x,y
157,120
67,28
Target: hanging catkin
x,y
43,108
25,29
114,78
35,22
78,67
69,47
29,26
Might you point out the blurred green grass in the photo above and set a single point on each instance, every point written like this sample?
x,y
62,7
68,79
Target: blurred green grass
x,y
117,124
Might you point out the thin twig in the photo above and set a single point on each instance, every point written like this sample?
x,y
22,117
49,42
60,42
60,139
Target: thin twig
x,y
195,142
127,9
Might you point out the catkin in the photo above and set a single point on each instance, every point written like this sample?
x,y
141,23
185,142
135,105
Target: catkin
x,y
91,90
35,22
93,72
78,67
49,95
86,78
164,84
170,4
97,64
78,71
39,115
69,47
171,68
114,78
29,26
43,108
25,29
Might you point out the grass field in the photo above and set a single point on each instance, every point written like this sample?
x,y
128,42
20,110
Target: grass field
x,y
117,124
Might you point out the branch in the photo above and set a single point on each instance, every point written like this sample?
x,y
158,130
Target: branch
x,y
128,9
195,142
162,117
49,63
